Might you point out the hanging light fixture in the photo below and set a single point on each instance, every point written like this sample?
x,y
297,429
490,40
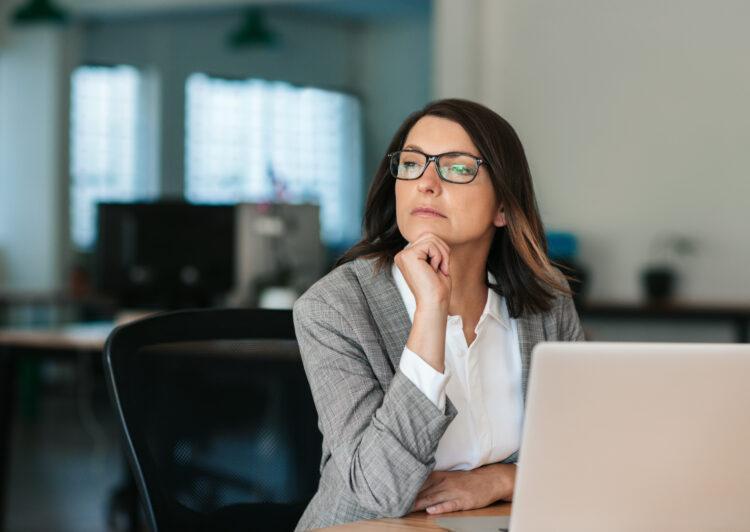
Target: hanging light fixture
x,y
252,31
39,11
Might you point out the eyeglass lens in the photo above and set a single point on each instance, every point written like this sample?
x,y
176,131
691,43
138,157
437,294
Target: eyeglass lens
x,y
454,167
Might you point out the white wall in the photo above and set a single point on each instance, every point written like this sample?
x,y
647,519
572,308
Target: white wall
x,y
635,120
32,96
4,181
393,65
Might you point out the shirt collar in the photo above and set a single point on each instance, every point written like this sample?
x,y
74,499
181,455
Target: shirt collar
x,y
495,306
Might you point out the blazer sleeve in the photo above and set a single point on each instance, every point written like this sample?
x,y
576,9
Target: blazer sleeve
x,y
382,442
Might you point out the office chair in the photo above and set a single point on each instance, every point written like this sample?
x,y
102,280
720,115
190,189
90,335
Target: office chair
x,y
219,425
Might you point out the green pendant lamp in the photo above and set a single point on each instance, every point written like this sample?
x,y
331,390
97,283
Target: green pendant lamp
x,y
252,32
39,11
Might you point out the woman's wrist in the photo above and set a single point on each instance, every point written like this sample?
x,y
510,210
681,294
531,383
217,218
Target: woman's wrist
x,y
432,307
427,336
503,480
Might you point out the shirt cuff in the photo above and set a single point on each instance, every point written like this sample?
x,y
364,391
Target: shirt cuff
x,y
426,378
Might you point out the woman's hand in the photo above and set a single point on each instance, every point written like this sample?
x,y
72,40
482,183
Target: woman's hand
x,y
451,491
425,264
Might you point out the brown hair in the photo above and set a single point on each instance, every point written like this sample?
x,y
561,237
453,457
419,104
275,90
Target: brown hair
x,y
518,254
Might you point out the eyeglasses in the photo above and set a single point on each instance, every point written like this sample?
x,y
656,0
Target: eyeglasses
x,y
454,167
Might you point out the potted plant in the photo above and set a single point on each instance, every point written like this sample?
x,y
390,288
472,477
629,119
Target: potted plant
x,y
660,277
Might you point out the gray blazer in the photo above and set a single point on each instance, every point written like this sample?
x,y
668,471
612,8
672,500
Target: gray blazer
x,y
380,433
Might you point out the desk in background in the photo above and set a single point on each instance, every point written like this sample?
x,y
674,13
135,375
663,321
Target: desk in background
x,y
738,316
64,342
46,307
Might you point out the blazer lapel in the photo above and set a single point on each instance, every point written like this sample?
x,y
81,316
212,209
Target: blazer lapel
x,y
529,331
390,315
387,308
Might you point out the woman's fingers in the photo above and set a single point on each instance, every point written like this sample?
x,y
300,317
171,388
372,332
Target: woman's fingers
x,y
430,499
446,253
435,255
424,264
436,240
434,250
429,252
444,507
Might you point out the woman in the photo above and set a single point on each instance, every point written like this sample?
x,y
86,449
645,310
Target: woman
x,y
417,345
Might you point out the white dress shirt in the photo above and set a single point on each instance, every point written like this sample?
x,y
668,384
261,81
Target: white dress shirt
x,y
483,381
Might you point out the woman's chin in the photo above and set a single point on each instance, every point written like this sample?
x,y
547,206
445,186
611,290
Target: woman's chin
x,y
416,231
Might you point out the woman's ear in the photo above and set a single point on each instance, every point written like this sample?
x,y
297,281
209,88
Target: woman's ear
x,y
499,220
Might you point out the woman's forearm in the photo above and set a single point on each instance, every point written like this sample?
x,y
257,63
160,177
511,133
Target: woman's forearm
x,y
504,480
427,336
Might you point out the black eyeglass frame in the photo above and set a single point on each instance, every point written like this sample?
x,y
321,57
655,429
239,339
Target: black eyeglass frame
x,y
436,159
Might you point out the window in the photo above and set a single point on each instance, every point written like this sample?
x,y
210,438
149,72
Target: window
x,y
107,131
258,141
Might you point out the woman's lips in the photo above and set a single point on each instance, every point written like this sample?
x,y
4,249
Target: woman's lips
x,y
426,212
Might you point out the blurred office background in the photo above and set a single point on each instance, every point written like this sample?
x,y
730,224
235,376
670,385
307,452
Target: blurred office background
x,y
270,117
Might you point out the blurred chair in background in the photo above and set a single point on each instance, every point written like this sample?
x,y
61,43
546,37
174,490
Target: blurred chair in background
x,y
219,424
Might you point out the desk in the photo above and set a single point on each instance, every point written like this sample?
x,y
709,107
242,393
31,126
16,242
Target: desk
x,y
63,342
735,314
418,520
54,302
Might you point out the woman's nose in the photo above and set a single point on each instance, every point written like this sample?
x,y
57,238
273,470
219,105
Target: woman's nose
x,y
430,180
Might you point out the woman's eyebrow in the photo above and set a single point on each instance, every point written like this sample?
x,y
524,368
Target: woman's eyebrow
x,y
415,147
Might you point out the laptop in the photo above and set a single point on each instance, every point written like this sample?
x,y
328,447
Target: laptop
x,y
633,436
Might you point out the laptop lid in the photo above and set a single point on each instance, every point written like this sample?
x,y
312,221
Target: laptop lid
x,y
628,436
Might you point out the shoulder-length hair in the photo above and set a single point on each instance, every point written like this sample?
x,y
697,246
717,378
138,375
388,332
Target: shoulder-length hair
x,y
518,254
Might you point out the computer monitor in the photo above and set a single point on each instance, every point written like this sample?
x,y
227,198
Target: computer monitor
x,y
165,254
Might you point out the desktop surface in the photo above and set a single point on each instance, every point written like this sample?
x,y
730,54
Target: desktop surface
x,y
421,520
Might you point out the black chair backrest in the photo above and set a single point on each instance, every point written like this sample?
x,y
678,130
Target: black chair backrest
x,y
217,418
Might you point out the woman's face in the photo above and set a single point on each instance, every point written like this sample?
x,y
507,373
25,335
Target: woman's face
x,y
467,213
